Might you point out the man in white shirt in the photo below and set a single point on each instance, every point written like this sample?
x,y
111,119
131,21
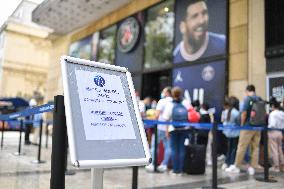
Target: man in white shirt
x,y
163,133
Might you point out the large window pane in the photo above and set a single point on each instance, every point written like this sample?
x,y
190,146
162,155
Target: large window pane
x,y
159,35
82,48
107,45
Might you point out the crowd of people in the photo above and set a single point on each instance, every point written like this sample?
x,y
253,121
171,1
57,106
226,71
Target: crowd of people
x,y
241,149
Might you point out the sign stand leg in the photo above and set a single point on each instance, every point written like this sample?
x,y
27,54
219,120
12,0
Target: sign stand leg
x,y
97,178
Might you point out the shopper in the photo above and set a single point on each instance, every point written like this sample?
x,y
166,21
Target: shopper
x,y
276,121
177,112
247,137
230,118
163,133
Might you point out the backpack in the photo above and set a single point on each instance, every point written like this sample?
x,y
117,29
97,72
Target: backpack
x,y
179,113
257,112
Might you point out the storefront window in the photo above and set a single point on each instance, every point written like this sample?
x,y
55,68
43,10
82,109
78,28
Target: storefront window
x,y
106,52
159,32
82,48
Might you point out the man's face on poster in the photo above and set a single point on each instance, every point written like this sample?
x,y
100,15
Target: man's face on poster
x,y
195,24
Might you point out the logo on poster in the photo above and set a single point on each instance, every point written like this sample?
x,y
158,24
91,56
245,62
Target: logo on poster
x,y
99,81
208,73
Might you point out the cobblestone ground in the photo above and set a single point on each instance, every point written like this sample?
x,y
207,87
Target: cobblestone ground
x,y
18,172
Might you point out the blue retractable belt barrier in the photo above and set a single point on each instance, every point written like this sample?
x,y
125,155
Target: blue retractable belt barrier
x,y
29,111
148,123
151,123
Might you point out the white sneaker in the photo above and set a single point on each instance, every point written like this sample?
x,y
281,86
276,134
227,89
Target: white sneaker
x,y
209,162
221,157
274,169
162,168
150,168
251,171
232,169
224,166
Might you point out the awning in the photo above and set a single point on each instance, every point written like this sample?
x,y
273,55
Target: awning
x,y
65,16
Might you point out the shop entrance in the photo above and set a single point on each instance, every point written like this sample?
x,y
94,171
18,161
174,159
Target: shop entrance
x,y
153,83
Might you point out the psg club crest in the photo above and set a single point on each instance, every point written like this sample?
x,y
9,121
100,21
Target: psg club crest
x,y
127,35
99,81
208,73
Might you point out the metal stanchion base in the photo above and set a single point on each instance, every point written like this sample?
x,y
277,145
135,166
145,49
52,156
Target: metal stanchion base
x,y
70,172
38,161
18,154
210,187
269,180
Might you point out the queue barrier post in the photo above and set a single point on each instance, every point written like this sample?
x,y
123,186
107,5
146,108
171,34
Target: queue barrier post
x,y
214,159
2,134
38,160
46,135
266,177
59,135
20,139
155,148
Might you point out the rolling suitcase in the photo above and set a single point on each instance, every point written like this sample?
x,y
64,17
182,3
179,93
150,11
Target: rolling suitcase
x,y
195,154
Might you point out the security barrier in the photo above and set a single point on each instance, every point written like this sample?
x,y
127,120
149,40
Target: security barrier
x,y
61,158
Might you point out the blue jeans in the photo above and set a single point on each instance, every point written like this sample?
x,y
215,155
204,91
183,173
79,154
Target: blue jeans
x,y
231,151
178,149
166,144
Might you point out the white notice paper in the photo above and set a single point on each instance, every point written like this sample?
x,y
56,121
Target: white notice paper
x,y
103,105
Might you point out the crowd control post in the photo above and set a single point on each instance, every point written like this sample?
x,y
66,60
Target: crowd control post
x,y
265,177
214,159
46,135
20,139
38,160
155,148
2,134
134,177
59,135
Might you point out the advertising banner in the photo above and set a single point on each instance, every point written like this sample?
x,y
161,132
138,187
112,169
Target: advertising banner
x,y
205,82
200,30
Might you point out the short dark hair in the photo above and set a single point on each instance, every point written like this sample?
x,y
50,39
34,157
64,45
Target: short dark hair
x,y
189,3
250,88
274,102
205,106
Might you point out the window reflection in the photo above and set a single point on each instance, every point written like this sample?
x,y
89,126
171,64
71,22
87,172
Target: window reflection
x,y
159,33
106,53
81,49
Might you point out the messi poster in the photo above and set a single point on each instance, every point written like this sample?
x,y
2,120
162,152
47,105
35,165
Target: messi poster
x,y
200,29
203,82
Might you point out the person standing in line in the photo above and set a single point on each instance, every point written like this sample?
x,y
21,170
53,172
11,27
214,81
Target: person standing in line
x,y
176,111
29,126
163,133
276,121
206,117
230,118
247,137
